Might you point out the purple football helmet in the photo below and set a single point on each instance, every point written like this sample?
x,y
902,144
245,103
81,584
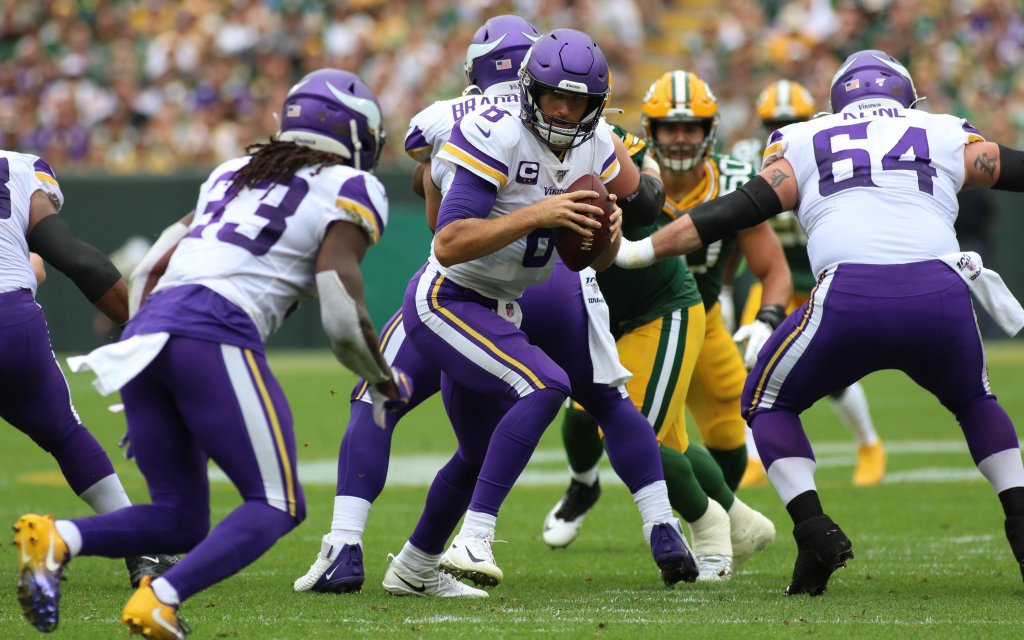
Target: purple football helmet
x,y
497,49
566,61
871,74
334,111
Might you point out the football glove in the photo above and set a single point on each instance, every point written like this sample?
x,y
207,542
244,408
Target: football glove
x,y
383,405
728,308
757,332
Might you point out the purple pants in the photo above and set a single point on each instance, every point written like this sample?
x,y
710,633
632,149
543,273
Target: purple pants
x,y
34,396
481,473
916,318
201,400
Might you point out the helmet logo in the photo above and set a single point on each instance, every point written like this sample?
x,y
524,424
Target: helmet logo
x,y
475,51
570,85
359,105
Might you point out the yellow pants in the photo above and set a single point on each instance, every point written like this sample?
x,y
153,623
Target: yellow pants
x,y
662,355
714,394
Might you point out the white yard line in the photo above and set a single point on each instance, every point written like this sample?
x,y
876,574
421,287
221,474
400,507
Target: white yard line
x,y
548,466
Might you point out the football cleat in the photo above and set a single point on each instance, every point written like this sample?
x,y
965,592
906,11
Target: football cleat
x,y
400,580
146,615
470,557
822,547
671,553
337,569
714,568
1014,526
870,465
42,556
750,532
153,566
564,521
754,475
712,544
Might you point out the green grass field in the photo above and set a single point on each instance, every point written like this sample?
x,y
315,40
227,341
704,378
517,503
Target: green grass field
x,y
931,558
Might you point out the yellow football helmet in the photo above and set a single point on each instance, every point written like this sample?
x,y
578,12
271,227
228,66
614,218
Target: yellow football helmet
x,y
784,102
680,96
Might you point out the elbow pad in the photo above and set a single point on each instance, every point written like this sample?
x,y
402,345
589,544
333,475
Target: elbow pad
x,y
643,205
340,317
748,206
1011,174
90,270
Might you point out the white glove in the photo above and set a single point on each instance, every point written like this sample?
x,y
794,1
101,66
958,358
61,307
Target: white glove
x,y
728,308
755,335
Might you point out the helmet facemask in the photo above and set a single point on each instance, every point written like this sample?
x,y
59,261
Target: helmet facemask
x,y
668,155
559,133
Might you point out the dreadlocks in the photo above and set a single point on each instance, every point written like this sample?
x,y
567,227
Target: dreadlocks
x,y
277,161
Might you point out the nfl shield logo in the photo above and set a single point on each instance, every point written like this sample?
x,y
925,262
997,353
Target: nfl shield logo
x,y
560,174
510,310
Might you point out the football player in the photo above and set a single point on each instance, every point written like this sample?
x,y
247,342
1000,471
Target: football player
x,y
678,359
874,171
780,104
492,67
35,398
291,220
508,172
494,57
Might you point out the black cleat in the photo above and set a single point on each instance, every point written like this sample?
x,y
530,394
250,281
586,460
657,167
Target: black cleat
x,y
564,521
154,566
822,547
1014,526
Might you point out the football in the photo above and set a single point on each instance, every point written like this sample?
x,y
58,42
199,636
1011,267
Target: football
x,y
576,251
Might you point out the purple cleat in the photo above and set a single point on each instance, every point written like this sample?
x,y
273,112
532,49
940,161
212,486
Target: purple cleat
x,y
337,569
671,553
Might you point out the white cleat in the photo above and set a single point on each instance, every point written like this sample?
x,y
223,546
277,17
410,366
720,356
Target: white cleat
x,y
712,545
399,580
714,568
470,557
751,532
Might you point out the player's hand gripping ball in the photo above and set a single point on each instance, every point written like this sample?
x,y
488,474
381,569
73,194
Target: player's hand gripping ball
x,y
579,252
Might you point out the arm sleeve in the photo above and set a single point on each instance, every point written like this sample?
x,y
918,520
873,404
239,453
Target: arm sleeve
x,y
469,196
83,263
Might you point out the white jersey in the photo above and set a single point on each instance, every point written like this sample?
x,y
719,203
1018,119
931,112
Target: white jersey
x,y
495,145
21,175
258,249
429,129
877,182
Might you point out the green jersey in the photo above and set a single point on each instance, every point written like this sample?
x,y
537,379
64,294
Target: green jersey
x,y
722,175
794,244
636,297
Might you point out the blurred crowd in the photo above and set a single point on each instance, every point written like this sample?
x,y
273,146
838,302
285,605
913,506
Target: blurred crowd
x,y
126,86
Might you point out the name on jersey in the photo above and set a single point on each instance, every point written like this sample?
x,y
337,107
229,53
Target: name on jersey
x,y
876,113
461,108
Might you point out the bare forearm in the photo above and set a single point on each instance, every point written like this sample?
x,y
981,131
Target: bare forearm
x,y
114,303
675,239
